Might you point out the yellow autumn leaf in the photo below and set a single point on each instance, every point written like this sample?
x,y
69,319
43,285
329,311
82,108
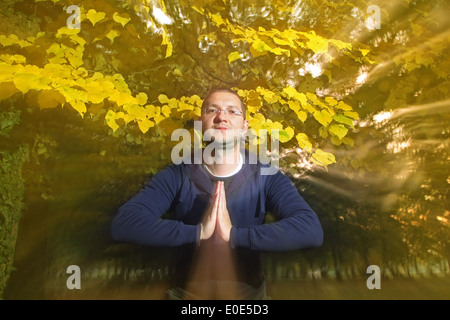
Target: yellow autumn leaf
x,y
364,51
343,106
309,108
142,98
282,42
79,106
312,97
165,110
166,41
163,98
217,19
286,134
331,101
112,34
184,106
199,10
50,99
195,99
110,119
93,16
66,31
260,46
57,60
123,19
145,125
341,44
7,71
5,41
77,39
16,58
323,158
75,61
290,91
338,130
25,81
136,111
295,106
7,89
197,111
317,43
56,49
71,94
302,115
352,114
303,142
323,117
280,51
235,55
122,98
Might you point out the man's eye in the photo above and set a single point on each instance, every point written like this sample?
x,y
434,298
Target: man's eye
x,y
210,110
234,112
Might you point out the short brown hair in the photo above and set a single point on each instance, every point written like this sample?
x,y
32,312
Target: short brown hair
x,y
222,89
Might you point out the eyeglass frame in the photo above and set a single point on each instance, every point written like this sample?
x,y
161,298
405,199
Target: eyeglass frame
x,y
225,111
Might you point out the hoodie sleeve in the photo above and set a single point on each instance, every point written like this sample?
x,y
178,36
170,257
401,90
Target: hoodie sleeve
x,y
297,226
139,220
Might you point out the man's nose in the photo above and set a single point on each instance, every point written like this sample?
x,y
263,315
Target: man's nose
x,y
221,117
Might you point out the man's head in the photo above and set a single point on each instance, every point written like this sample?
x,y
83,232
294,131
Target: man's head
x,y
226,90
223,114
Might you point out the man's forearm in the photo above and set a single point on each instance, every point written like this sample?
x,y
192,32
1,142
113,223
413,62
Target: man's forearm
x,y
134,225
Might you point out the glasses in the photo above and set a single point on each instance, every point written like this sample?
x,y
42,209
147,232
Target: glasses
x,y
213,111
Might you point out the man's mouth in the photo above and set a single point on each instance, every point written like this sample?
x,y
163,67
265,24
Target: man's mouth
x,y
221,128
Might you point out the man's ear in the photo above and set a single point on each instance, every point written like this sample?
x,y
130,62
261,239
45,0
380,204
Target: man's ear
x,y
245,127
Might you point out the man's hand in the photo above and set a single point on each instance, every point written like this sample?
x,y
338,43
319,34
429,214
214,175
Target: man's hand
x,y
223,222
208,224
216,220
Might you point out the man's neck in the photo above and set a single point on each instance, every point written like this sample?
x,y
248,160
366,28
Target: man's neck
x,y
225,162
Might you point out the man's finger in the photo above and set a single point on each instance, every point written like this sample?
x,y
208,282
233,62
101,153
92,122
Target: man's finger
x,y
217,188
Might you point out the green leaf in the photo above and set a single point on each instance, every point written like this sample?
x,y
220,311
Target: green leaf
x,y
336,141
348,141
323,132
343,119
338,130
286,134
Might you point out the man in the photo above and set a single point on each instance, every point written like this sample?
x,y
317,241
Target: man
x,y
219,207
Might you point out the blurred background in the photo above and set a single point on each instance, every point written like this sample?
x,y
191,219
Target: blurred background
x,y
89,97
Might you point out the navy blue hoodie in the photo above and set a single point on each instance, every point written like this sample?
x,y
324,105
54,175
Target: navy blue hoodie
x,y
186,190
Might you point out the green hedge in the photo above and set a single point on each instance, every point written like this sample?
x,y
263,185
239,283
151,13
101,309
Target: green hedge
x,y
12,190
11,204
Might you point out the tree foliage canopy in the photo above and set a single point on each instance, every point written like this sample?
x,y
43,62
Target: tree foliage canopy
x,y
370,105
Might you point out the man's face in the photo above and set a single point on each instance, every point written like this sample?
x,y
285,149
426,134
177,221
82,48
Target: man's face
x,y
223,128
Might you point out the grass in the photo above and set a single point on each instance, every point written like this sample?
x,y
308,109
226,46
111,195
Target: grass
x,y
433,288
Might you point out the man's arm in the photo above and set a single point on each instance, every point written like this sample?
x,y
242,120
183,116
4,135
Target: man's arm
x,y
297,227
139,220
